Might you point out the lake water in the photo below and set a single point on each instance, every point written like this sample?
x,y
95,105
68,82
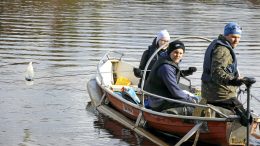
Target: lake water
x,y
65,40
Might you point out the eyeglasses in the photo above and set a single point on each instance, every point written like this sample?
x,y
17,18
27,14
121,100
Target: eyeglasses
x,y
164,41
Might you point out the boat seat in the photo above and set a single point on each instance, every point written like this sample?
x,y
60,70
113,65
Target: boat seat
x,y
199,111
208,112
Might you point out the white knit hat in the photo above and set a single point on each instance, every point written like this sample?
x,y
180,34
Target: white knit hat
x,y
163,34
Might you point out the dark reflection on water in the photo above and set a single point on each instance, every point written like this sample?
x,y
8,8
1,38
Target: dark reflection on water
x,y
121,133
65,39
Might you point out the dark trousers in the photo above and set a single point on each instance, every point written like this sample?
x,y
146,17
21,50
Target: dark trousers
x,y
234,105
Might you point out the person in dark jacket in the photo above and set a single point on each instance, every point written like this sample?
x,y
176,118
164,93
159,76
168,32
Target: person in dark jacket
x,y
164,77
161,39
220,77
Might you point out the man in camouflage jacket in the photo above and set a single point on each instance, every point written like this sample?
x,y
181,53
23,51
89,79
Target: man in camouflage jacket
x,y
220,77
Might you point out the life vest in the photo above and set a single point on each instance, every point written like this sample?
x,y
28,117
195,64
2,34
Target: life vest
x,y
154,84
232,68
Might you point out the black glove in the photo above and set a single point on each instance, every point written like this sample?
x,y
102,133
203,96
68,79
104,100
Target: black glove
x,y
188,72
235,82
192,69
138,72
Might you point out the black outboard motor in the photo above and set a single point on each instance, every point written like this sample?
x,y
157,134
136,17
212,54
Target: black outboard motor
x,y
248,81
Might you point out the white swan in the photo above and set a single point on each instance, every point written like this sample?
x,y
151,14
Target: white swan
x,y
29,75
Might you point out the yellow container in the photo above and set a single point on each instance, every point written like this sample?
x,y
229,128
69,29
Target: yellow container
x,y
123,81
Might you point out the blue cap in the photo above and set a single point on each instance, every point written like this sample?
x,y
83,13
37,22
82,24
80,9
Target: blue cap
x,y
232,28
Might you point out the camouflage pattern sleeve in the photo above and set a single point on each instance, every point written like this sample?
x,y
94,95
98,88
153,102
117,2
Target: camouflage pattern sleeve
x,y
221,58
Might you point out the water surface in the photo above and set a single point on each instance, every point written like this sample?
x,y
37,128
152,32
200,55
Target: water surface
x,y
65,40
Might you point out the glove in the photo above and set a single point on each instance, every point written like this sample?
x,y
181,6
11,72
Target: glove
x,y
235,82
196,99
192,69
188,72
138,72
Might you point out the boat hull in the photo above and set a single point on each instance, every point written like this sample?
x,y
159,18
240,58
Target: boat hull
x,y
126,109
214,132
211,132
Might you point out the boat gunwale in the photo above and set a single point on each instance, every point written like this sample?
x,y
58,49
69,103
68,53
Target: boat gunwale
x,y
143,109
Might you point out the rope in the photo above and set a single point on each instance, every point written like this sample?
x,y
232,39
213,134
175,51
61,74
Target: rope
x,y
241,91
